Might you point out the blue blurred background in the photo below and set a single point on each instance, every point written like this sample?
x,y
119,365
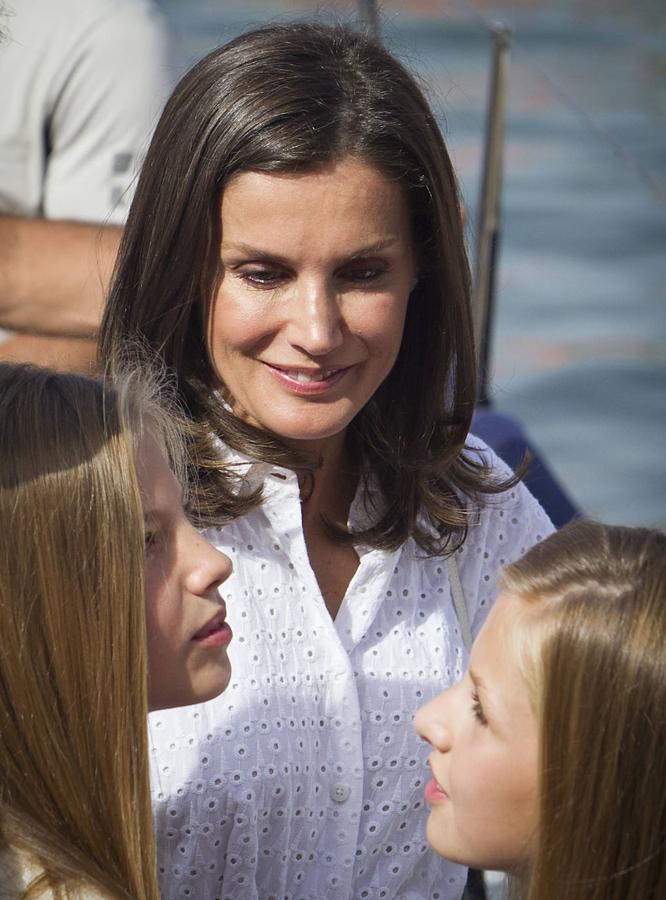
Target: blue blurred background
x,y
579,340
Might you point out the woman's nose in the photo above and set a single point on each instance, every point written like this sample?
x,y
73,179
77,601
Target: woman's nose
x,y
316,324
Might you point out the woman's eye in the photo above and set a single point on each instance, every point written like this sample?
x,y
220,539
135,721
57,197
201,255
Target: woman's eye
x,y
477,709
364,274
262,277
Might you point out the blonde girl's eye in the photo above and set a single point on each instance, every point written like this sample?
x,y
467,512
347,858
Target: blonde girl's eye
x,y
477,710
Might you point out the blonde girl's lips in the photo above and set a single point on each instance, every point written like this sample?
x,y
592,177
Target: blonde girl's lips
x,y
434,793
307,381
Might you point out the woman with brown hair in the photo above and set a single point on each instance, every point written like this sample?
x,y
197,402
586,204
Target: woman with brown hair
x,y
549,756
108,608
295,255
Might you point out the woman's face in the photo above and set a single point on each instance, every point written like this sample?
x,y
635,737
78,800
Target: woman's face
x,y
308,319
483,793
187,632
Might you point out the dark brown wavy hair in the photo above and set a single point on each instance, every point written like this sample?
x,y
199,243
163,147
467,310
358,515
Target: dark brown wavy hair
x,y
294,98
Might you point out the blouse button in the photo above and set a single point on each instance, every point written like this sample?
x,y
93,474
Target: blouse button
x,y
340,792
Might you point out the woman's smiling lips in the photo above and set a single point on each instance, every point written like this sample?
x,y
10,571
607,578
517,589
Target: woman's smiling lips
x,y
307,381
216,632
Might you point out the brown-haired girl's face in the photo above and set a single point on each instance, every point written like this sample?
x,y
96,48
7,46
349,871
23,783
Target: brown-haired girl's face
x,y
187,632
309,316
484,737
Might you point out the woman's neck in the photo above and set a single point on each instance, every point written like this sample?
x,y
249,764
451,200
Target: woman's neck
x,y
328,495
329,491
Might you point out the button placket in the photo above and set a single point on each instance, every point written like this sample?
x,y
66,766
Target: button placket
x,y
340,792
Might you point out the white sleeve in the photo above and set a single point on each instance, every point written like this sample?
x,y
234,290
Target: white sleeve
x,y
508,525
105,114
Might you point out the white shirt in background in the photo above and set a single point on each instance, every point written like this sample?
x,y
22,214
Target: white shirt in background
x,y
82,83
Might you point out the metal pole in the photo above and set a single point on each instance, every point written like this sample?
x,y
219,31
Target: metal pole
x,y
369,17
489,223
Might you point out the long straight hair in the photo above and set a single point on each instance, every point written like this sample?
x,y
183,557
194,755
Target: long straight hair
x,y
74,783
593,652
292,99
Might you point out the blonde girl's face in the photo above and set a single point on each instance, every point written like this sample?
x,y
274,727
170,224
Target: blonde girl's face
x,y
187,631
483,732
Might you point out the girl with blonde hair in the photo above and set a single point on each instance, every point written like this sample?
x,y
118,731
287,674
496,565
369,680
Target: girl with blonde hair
x,y
549,756
108,607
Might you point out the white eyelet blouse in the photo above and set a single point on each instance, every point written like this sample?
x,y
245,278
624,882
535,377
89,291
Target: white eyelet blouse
x,y
304,780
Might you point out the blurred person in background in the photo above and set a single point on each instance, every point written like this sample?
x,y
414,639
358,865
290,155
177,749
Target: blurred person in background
x,y
83,82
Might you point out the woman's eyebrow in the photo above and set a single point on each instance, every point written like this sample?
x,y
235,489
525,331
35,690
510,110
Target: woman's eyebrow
x,y
259,253
248,250
374,248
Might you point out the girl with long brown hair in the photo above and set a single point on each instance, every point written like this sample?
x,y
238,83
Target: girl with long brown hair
x,y
549,756
109,607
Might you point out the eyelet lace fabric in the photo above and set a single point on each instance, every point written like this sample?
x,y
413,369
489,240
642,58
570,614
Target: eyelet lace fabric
x,y
304,780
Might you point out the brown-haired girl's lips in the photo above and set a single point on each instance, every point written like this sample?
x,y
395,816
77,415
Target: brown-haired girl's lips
x,y
216,632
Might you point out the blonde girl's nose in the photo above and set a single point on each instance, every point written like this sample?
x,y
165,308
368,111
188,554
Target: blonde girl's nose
x,y
431,723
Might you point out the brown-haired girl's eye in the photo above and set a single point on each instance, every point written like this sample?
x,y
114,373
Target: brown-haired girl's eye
x,y
150,542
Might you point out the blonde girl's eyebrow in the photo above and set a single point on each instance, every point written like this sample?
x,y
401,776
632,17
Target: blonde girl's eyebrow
x,y
481,688
479,683
494,704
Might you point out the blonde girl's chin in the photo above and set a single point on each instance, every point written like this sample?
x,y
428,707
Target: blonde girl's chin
x,y
437,838
442,843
